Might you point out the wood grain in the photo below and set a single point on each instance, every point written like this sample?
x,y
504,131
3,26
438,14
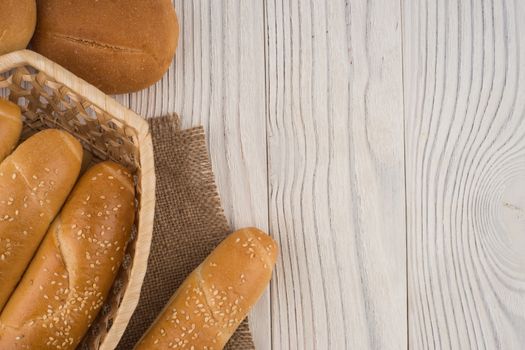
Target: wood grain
x,y
464,87
336,174
218,80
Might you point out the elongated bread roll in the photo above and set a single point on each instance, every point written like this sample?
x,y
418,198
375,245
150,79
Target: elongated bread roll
x,y
10,127
35,180
211,303
73,270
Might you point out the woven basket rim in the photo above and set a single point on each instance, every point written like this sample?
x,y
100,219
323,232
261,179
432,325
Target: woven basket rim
x,y
147,204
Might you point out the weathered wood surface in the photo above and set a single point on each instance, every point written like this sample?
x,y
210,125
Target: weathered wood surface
x,y
336,174
464,88
382,144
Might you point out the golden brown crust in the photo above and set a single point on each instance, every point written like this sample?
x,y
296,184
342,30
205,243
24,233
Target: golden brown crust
x,y
17,24
119,46
74,268
35,181
10,127
212,302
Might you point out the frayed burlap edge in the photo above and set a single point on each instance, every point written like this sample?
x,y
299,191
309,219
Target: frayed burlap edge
x,y
189,223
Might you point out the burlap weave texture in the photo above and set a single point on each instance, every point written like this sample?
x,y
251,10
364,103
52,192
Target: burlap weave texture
x,y
189,223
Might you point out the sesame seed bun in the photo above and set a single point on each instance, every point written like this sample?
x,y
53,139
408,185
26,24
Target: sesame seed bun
x,y
212,302
35,181
72,272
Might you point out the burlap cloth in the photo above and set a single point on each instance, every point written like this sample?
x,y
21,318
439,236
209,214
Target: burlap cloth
x,y
189,223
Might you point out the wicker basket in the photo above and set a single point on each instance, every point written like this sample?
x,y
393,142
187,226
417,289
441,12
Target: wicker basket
x,y
52,97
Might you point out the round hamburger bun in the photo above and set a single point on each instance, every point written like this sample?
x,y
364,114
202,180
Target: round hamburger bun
x,y
17,24
120,46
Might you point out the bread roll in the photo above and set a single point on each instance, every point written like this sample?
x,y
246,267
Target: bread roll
x,y
74,268
211,303
119,46
35,180
17,24
10,127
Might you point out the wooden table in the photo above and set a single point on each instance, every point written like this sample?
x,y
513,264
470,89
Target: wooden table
x,y
382,144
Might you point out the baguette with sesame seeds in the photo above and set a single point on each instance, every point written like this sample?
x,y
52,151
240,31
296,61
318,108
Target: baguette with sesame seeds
x,y
10,127
35,181
72,272
212,302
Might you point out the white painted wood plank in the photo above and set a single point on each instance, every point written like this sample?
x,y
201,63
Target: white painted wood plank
x,y
337,204
218,81
464,65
